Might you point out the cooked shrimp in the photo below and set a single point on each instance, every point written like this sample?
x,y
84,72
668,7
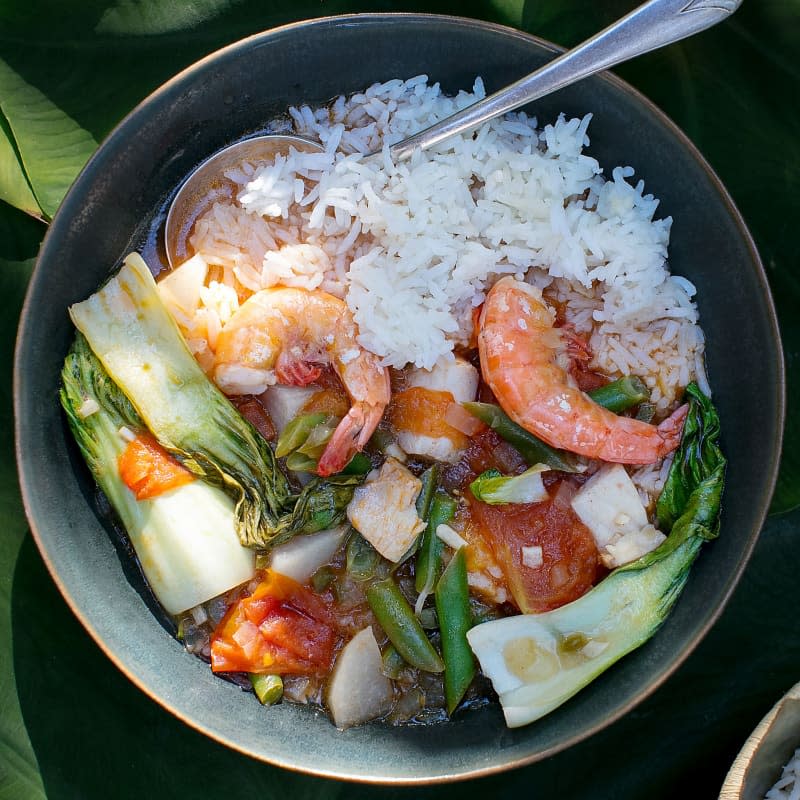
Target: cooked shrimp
x,y
284,335
523,361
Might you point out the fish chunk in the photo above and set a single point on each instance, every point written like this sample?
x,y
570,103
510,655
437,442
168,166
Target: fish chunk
x,y
383,509
610,507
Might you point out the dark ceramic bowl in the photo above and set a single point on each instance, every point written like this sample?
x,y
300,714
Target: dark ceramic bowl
x,y
123,189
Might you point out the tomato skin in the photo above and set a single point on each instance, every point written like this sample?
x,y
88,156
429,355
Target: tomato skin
x,y
570,563
250,407
148,470
282,628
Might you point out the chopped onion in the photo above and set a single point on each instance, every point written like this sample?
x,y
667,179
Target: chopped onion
x,y
127,434
88,407
459,418
532,557
199,615
450,537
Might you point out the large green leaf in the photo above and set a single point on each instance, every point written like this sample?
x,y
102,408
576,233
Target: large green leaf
x,y
51,145
19,774
14,186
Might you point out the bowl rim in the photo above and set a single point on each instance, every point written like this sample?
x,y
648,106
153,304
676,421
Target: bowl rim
x,y
28,489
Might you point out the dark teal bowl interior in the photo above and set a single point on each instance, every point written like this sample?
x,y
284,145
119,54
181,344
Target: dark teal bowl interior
x,y
109,210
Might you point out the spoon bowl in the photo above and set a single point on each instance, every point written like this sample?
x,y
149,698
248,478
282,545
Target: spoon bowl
x,y
207,184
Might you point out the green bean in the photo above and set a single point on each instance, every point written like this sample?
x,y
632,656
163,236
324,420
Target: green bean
x,y
455,619
392,662
532,449
621,394
361,557
296,432
397,619
442,510
268,688
425,496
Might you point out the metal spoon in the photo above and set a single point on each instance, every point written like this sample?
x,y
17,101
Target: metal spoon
x,y
652,25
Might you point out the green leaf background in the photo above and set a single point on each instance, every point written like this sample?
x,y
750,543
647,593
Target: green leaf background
x,y
70,724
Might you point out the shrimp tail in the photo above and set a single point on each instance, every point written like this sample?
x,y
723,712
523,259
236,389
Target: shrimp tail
x,y
671,429
350,437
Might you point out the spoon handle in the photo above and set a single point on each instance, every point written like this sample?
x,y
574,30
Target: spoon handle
x,y
655,24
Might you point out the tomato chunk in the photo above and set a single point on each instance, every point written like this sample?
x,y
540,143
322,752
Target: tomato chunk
x,y
148,470
569,559
282,628
423,411
333,401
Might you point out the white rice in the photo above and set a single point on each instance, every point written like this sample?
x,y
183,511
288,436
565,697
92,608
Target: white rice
x,y
413,247
788,786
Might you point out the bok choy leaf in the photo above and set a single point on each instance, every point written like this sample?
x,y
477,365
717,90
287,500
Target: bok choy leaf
x,y
143,352
538,661
184,538
496,489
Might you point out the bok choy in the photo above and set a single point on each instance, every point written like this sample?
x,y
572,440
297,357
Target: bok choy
x,y
185,538
140,347
538,661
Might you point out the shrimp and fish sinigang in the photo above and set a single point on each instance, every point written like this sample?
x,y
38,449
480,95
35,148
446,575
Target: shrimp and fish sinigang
x,y
398,439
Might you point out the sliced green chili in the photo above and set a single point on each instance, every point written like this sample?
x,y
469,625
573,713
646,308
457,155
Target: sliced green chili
x,y
296,432
442,509
531,448
397,619
621,394
455,619
268,688
318,438
297,462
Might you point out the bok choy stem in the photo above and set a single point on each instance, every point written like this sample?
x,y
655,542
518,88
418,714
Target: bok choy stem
x,y
184,538
143,352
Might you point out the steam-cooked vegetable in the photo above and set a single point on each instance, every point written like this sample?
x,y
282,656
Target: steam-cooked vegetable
x,y
268,688
533,450
621,394
401,626
139,345
455,619
493,488
184,538
358,690
322,504
537,661
281,628
295,434
429,554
